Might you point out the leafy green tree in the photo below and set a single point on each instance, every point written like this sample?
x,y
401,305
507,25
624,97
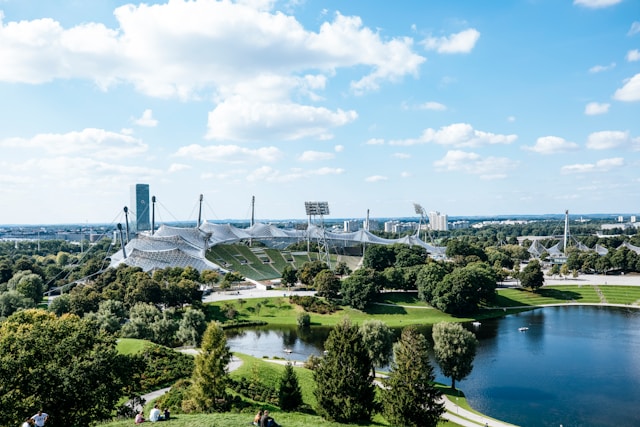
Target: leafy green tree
x,y
28,284
342,269
409,397
359,289
461,291
209,277
289,393
192,326
141,317
210,376
65,365
408,256
12,301
378,339
379,257
310,270
531,276
429,277
344,386
326,284
289,276
110,315
455,349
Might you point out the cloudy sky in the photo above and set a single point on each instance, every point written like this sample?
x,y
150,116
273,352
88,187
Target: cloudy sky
x,y
466,107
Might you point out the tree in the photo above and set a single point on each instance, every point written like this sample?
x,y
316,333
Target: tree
x,y
28,284
310,270
531,275
327,284
289,276
455,349
191,327
210,376
429,277
359,289
342,269
12,301
344,387
65,365
289,393
409,397
379,257
378,339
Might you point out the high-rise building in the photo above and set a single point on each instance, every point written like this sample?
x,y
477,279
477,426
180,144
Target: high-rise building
x,y
438,222
140,207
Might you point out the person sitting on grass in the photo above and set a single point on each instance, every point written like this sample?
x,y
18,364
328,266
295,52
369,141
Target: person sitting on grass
x,y
139,418
267,420
257,418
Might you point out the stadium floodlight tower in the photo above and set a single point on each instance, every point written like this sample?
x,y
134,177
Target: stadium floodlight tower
x,y
423,221
316,211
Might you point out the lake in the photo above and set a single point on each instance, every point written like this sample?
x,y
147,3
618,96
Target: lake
x,y
575,366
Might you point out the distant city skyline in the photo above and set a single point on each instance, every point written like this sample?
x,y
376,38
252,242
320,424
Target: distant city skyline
x,y
468,108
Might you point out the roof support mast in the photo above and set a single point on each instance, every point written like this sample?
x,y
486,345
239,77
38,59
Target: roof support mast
x,y
200,212
566,231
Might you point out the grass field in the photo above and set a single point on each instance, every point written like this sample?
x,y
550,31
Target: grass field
x,y
269,373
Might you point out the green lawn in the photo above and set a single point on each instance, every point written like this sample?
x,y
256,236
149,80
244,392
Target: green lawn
x,y
278,311
131,345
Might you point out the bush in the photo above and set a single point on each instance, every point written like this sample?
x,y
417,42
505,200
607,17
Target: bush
x,y
313,304
304,320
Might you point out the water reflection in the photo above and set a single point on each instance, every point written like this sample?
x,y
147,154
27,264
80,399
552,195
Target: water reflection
x,y
575,366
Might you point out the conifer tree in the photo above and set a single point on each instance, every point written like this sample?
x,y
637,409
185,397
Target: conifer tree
x,y
344,385
210,375
289,393
409,397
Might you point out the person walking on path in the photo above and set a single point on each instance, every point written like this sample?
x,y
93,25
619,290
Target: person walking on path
x,y
40,418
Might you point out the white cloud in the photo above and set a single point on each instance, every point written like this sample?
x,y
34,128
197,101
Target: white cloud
x,y
596,4
635,28
269,174
511,119
236,119
376,178
314,156
338,148
601,68
432,105
633,55
595,108
487,168
462,42
552,145
229,153
457,135
402,156
375,141
178,167
606,140
630,91
97,143
190,49
146,119
603,165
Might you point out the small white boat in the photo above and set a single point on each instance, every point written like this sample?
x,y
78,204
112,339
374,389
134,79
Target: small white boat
x,y
287,350
523,328
476,324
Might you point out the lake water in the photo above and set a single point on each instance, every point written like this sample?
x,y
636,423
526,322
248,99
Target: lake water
x,y
575,366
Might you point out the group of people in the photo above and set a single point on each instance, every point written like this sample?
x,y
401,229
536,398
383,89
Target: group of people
x,y
38,420
154,416
263,419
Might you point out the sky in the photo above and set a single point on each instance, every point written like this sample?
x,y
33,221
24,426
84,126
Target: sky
x,y
464,107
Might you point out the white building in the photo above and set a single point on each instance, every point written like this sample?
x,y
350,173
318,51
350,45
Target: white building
x,y
438,222
351,225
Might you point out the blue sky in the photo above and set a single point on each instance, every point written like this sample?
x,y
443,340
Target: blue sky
x,y
466,107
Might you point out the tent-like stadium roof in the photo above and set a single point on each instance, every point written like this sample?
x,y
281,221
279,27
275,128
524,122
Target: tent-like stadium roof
x,y
179,246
